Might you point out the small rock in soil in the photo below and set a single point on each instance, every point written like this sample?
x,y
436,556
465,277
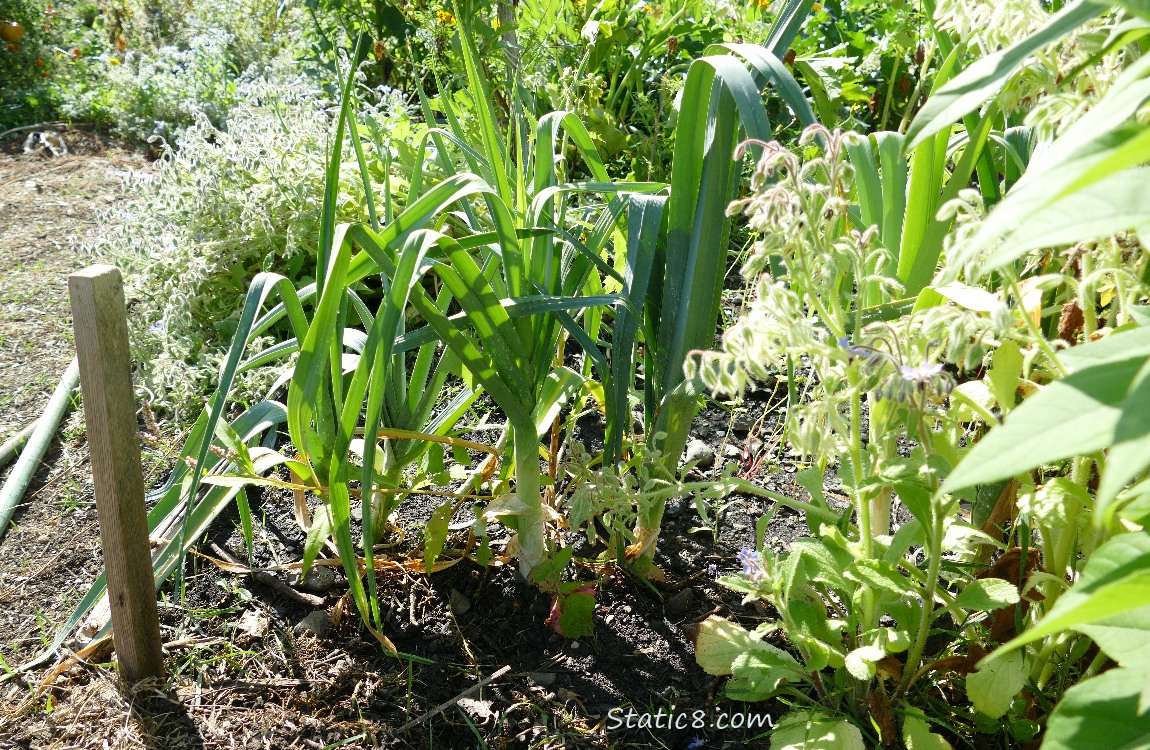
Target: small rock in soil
x,y
699,453
460,604
542,679
318,623
675,506
742,422
254,623
319,579
730,450
478,709
679,604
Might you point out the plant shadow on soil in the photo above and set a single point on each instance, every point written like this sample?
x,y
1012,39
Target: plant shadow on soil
x,y
252,666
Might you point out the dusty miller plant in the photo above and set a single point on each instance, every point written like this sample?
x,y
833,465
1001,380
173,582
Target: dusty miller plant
x,y
206,218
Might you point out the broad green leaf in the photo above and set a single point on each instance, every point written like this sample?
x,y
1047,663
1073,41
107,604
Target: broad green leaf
x,y
1082,150
1125,638
882,577
815,560
994,686
969,297
1130,446
986,76
721,642
577,619
1125,148
916,734
1140,8
1101,713
1118,346
1070,417
861,662
1005,373
757,675
808,730
1115,580
986,595
811,479
973,400
1114,204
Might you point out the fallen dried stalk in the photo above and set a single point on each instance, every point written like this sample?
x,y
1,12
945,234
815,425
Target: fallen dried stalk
x,y
269,580
448,704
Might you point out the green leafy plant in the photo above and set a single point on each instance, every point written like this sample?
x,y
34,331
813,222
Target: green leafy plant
x,y
829,589
680,269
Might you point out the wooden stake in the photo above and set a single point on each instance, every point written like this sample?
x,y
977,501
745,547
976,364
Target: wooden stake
x,y
101,330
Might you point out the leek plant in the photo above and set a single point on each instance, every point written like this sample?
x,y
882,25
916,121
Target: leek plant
x,y
678,254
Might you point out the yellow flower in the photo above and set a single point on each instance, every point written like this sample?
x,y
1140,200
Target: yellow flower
x,y
763,3
817,6
444,17
495,24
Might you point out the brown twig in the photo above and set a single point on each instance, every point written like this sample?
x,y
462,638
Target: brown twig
x,y
448,704
271,581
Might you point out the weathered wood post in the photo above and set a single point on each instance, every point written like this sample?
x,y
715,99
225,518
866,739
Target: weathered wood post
x,y
101,330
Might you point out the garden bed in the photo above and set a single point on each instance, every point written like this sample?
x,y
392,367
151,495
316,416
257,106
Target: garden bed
x,y
253,665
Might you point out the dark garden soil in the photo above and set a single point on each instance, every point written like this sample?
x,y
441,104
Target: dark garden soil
x,y
253,665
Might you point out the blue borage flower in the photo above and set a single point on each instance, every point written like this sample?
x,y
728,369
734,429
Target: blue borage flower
x,y
752,562
868,353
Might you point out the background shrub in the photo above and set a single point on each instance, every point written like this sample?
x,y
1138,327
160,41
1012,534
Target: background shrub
x,y
222,204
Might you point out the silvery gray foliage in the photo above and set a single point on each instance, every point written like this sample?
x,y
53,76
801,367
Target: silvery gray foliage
x,y
224,204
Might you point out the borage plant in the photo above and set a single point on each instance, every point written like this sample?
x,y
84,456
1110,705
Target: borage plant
x,y
855,602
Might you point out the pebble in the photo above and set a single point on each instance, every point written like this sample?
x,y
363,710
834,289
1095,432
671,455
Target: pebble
x,y
253,623
319,579
699,453
742,422
730,450
460,604
318,623
676,505
679,604
542,679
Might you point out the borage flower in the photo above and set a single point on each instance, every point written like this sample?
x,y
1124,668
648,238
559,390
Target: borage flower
x,y
917,381
752,562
